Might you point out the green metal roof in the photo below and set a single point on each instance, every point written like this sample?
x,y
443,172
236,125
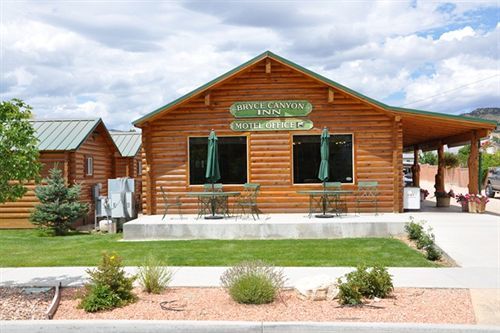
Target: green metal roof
x,y
63,134
128,143
271,55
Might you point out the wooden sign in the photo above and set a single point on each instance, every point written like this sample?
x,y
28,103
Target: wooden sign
x,y
268,109
289,124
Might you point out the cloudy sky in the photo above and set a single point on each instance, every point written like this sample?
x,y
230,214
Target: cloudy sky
x,y
121,59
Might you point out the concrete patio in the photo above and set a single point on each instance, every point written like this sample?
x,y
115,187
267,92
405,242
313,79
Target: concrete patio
x,y
270,226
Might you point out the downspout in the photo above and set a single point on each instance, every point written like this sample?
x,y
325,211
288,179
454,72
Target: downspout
x,y
479,167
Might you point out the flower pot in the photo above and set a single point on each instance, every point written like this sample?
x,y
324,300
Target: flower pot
x,y
442,201
472,207
465,207
481,207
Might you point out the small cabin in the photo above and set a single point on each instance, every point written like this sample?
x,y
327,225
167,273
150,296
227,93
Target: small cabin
x,y
83,149
129,163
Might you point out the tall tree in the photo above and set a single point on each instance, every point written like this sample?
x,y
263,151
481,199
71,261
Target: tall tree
x,y
18,150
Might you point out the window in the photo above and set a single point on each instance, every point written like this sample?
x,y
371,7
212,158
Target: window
x,y
307,158
232,160
88,165
139,167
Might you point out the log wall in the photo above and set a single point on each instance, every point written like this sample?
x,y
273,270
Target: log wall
x,y
377,142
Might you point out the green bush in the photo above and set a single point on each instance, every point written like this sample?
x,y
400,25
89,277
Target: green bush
x,y
108,287
253,282
376,282
349,293
425,239
154,276
414,230
98,298
432,252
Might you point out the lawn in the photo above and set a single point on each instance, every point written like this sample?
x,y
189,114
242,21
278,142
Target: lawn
x,y
21,248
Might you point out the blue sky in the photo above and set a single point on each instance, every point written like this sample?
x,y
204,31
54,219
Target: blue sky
x,y
122,59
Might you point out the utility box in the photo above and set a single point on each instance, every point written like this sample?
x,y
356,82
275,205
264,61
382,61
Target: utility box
x,y
411,198
122,205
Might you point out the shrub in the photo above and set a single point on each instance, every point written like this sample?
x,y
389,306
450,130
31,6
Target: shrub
x,y
108,287
253,282
414,230
376,282
349,293
425,239
99,297
432,252
154,276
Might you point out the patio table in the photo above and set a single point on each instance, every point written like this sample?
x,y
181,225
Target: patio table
x,y
213,198
324,199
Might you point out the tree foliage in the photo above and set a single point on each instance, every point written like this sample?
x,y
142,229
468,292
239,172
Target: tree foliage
x,y
59,206
451,160
488,161
428,157
463,156
18,150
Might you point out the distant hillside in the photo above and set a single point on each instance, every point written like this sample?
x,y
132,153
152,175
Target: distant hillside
x,y
485,113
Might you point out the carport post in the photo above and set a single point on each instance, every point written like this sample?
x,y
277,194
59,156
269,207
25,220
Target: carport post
x,y
473,164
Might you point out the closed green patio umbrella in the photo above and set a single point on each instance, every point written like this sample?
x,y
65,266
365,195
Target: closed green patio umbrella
x,y
324,148
323,173
212,173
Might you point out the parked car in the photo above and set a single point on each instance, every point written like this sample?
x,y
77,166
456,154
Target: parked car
x,y
492,182
407,176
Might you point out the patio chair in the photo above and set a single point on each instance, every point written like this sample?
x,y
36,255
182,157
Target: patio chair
x,y
247,201
336,202
171,203
367,193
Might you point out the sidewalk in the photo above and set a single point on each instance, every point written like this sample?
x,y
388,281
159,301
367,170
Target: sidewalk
x,y
455,277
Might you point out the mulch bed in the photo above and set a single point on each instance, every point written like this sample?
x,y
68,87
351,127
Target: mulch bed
x,y
24,303
406,305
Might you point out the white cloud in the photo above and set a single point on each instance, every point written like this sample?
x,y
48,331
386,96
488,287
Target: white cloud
x,y
122,60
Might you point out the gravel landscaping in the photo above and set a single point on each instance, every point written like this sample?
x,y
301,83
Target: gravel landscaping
x,y
405,305
24,303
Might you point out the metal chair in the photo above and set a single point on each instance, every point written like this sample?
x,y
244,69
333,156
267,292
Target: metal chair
x,y
335,201
248,200
367,193
221,202
168,204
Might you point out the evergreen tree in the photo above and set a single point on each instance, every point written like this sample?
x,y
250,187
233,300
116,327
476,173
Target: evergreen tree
x,y
59,206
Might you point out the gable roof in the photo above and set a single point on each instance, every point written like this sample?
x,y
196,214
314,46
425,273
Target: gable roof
x,y
270,55
128,143
63,134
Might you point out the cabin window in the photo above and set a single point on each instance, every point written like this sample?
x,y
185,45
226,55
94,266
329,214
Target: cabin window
x,y
232,160
307,158
88,165
139,168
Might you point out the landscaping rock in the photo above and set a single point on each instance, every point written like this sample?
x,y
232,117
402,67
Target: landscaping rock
x,y
316,288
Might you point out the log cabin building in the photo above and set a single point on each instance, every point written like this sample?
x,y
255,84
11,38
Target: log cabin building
x,y
82,148
268,114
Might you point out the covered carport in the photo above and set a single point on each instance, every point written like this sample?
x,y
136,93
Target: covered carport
x,y
432,131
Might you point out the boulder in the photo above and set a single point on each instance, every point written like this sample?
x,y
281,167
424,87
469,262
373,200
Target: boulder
x,y
316,288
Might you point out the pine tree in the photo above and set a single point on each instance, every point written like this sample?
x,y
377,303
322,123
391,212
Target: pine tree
x,y
59,207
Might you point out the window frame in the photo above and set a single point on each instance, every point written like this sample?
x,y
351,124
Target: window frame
x,y
188,161
86,159
353,156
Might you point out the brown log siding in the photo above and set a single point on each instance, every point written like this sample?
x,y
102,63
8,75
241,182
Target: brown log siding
x,y
377,141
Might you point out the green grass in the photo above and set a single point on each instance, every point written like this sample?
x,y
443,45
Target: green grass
x,y
21,248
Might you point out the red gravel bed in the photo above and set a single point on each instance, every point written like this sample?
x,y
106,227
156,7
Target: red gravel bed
x,y
406,305
15,304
